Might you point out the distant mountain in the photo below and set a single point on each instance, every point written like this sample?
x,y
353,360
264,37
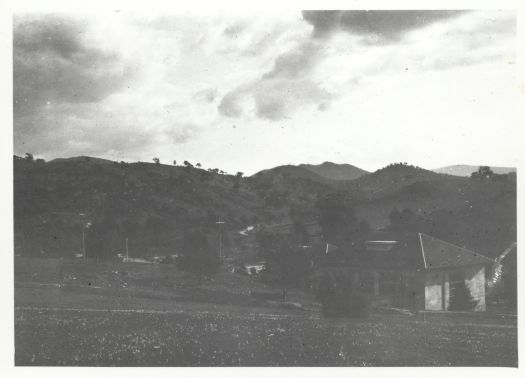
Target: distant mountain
x,y
82,159
387,180
326,173
466,170
292,171
333,171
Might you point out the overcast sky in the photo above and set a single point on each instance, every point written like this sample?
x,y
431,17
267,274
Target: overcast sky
x,y
245,93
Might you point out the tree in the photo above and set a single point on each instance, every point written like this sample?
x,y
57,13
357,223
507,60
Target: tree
x,y
174,162
337,219
286,265
339,296
187,166
299,233
198,256
510,279
29,156
156,160
198,165
483,173
98,237
237,181
461,299
404,220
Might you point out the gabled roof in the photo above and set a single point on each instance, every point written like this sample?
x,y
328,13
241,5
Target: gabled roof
x,y
438,253
418,251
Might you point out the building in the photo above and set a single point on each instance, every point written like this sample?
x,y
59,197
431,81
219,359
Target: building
x,y
421,272
312,229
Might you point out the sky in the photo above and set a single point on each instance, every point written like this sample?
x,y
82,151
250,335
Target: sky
x,y
245,92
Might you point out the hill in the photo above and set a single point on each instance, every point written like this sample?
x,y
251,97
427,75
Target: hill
x,y
387,180
153,204
466,170
334,171
149,204
81,159
326,173
292,172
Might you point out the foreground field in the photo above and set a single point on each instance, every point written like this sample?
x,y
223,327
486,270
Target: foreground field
x,y
85,326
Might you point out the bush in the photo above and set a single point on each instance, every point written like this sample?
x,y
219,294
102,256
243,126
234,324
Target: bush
x,y
350,304
461,299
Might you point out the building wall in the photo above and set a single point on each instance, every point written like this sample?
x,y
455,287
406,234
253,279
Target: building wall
x,y
429,290
446,289
475,281
437,288
433,291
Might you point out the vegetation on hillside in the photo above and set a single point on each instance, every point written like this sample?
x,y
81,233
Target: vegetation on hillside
x,y
152,205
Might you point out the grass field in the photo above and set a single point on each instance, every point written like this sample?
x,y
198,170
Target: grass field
x,y
63,323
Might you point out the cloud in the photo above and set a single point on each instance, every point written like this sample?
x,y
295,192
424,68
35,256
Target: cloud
x,y
230,104
295,63
281,91
377,25
72,129
133,87
234,30
277,99
206,95
53,63
273,99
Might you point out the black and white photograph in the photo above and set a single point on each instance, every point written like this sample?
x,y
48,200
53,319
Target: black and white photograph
x,y
287,188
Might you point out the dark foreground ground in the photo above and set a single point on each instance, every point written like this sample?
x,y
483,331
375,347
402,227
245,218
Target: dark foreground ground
x,y
82,324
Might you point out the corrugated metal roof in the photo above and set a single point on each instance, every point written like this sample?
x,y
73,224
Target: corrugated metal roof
x,y
418,251
441,254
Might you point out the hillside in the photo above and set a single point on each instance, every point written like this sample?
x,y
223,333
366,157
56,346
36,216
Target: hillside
x,y
150,204
334,171
291,172
428,197
326,173
388,180
466,170
153,204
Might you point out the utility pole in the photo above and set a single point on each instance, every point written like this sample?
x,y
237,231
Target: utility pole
x,y
219,222
84,228
83,243
127,250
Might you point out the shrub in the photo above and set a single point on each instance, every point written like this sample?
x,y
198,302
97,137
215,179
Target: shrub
x,y
461,299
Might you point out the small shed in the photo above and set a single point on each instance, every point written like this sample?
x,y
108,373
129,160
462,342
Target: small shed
x,y
422,272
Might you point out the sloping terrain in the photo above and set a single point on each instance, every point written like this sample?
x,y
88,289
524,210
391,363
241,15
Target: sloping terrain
x,y
388,180
147,203
152,204
334,171
292,172
466,170
479,215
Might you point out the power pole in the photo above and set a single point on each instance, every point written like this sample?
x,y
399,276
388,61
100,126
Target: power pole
x,y
83,243
220,244
219,222
84,228
127,251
